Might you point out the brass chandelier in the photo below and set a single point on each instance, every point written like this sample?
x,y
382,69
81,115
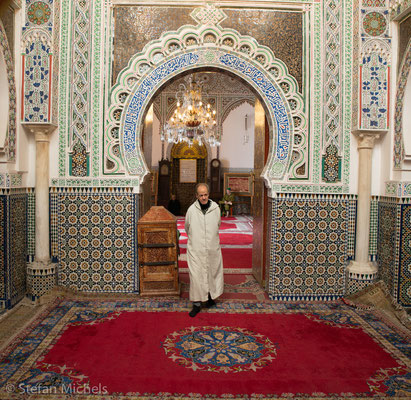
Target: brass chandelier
x,y
192,119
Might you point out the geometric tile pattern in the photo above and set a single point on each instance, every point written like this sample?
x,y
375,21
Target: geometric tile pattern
x,y
331,164
17,246
404,273
375,23
387,243
31,224
79,160
282,30
97,241
351,222
54,215
355,285
373,229
3,231
394,247
13,246
41,281
39,13
309,247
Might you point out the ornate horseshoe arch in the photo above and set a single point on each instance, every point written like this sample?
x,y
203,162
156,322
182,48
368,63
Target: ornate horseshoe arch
x,y
206,45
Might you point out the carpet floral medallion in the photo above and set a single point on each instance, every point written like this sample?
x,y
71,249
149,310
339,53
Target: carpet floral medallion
x,y
219,349
151,349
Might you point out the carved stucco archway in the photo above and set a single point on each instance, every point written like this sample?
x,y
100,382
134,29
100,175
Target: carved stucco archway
x,y
200,47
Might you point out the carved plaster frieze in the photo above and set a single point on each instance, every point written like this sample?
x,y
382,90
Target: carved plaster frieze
x,y
366,138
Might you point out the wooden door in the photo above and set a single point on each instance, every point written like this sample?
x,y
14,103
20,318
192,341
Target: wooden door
x,y
259,207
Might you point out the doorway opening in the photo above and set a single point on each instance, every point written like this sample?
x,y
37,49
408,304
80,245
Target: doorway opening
x,y
237,164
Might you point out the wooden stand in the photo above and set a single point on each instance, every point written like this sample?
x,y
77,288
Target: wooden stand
x,y
157,253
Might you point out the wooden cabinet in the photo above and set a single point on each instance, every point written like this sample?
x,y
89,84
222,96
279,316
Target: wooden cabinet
x,y
157,253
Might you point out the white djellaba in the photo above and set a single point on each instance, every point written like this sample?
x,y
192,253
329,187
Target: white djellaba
x,y
204,258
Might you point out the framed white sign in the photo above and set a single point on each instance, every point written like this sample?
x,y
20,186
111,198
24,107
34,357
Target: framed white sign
x,y
188,170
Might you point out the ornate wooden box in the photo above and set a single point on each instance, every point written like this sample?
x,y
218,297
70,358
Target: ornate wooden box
x,y
157,253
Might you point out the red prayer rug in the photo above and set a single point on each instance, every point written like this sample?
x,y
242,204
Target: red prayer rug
x,y
237,257
152,349
236,244
237,239
237,287
234,260
223,226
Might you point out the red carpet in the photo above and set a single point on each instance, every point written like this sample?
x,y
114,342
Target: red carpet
x,y
226,225
236,239
235,232
152,350
223,225
228,238
237,258
232,258
236,287
215,354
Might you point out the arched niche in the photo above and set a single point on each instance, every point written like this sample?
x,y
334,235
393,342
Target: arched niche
x,y
200,48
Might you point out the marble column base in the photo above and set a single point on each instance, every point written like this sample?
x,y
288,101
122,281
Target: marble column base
x,y
41,278
360,275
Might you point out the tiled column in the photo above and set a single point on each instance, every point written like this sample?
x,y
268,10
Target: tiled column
x,y
361,271
41,272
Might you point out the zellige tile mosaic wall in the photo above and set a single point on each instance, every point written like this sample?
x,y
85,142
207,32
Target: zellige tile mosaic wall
x,y
13,246
97,240
310,237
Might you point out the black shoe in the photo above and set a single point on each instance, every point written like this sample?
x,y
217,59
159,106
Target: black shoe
x,y
194,311
210,303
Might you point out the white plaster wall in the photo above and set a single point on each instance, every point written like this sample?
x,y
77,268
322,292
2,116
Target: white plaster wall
x,y
381,172
377,169
25,145
234,153
54,154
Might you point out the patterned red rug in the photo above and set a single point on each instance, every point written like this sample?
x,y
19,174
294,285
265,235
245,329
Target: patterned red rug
x,y
152,349
232,258
236,238
237,287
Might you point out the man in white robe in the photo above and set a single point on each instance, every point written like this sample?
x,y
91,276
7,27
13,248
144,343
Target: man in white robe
x,y
205,262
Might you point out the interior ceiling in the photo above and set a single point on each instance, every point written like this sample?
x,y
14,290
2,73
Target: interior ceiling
x,y
214,83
